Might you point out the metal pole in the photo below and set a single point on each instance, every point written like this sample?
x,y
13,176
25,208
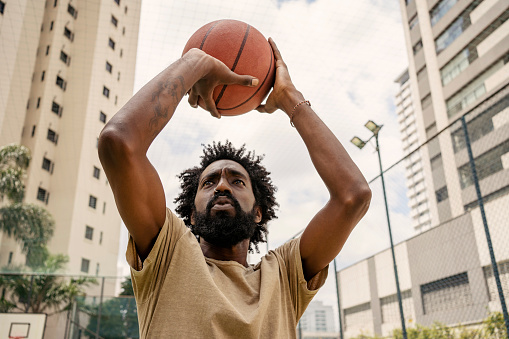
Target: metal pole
x,y
494,265
100,309
29,301
339,300
403,327
300,331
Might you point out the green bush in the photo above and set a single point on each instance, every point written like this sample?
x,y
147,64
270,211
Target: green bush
x,y
493,327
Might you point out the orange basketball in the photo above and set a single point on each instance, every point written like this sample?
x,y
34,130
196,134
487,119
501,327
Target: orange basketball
x,y
244,50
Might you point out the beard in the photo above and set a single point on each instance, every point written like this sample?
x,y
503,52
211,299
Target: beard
x,y
224,230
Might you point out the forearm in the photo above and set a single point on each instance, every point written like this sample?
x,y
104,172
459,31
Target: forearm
x,y
338,171
145,115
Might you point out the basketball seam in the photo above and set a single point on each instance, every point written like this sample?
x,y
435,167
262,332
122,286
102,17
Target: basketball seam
x,y
258,89
235,63
207,34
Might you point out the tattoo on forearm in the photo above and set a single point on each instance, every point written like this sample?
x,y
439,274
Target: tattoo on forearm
x,y
161,111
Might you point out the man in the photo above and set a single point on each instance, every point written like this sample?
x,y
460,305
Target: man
x,y
203,289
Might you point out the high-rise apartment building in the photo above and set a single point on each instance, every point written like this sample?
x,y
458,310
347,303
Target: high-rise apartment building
x,y
68,67
459,63
414,171
317,321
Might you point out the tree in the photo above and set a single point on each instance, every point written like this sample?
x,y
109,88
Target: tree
x,y
44,292
29,224
119,317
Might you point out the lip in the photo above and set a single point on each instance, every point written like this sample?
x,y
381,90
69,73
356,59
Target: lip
x,y
223,201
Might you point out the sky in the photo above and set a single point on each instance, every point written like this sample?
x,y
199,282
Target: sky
x,y
344,57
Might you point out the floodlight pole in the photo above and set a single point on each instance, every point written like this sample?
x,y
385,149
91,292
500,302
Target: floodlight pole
x,y
403,327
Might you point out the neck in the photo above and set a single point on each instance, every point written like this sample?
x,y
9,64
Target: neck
x,y
236,253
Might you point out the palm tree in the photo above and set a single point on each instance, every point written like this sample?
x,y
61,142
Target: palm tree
x,y
29,224
44,292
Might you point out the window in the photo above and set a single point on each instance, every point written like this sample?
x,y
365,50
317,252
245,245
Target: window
x,y
65,58
114,21
108,67
55,3
422,73
116,99
2,7
464,58
102,117
104,207
72,11
436,162
52,136
118,76
480,126
42,75
96,172
9,261
417,47
442,194
440,10
97,269
47,164
426,101
125,9
445,294
390,307
57,109
89,232
106,92
61,83
123,30
100,238
357,316
38,102
117,2
51,26
33,131
413,22
92,201
85,263
486,164
503,270
121,52
470,93
111,43
68,34
42,195
47,50
456,28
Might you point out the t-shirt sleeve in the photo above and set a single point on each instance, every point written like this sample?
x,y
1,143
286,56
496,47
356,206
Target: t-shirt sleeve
x,y
145,274
301,290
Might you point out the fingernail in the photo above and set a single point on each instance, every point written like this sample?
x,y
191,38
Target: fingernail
x,y
194,106
254,82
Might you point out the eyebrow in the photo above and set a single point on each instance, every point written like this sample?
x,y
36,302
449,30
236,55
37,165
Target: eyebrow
x,y
230,171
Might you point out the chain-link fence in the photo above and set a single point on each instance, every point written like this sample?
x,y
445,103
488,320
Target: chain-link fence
x,y
448,205
76,306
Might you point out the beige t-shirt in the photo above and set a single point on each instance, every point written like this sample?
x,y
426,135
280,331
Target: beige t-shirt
x,y
182,294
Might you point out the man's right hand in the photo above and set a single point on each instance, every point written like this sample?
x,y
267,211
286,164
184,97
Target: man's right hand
x,y
216,74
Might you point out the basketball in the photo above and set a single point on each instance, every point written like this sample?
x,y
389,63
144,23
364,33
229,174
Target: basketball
x,y
245,51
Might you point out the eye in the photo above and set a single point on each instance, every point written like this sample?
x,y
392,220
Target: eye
x,y
239,182
207,183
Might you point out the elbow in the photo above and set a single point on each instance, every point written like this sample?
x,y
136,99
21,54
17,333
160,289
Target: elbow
x,y
358,199
112,146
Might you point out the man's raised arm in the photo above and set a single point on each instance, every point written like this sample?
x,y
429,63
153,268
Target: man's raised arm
x,y
125,139
350,194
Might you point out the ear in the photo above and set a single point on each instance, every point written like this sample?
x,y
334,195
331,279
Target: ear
x,y
192,217
258,214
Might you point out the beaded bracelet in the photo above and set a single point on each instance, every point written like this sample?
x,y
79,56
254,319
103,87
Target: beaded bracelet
x,y
295,107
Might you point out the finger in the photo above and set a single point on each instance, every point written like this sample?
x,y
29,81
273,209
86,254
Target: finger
x,y
211,107
265,109
244,80
277,53
193,99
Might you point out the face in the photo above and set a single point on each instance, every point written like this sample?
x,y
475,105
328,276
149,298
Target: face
x,y
230,178
225,211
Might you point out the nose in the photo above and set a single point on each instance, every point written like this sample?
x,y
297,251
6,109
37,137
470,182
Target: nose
x,y
223,185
